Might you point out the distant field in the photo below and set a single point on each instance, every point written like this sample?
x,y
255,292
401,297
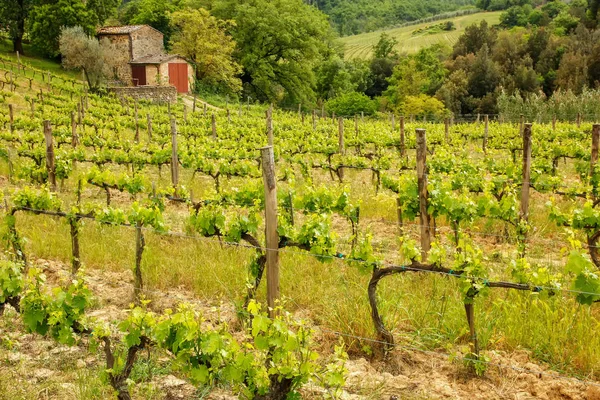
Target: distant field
x,y
360,46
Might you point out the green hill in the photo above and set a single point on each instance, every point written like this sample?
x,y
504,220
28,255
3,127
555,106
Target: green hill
x,y
410,41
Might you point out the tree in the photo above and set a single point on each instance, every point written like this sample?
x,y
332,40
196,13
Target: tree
x,y
423,105
385,47
80,51
104,9
279,43
352,103
202,39
47,19
473,39
380,71
485,74
515,16
13,14
155,13
564,23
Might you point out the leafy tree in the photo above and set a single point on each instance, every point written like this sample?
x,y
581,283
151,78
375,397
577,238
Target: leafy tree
x,y
572,73
474,38
381,70
155,13
485,74
279,44
593,11
336,76
454,92
80,51
385,47
351,103
564,23
202,39
47,19
515,16
553,8
13,14
103,9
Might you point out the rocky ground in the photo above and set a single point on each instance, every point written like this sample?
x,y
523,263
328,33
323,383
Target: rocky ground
x,y
33,367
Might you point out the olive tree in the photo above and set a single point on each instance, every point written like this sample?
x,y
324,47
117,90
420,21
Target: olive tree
x,y
80,51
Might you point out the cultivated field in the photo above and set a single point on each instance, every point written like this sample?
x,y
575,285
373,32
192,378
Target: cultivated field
x,y
360,46
435,256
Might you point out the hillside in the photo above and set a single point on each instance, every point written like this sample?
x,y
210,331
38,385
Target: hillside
x,y
359,46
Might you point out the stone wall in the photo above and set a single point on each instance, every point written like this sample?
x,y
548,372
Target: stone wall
x,y
146,41
118,47
161,94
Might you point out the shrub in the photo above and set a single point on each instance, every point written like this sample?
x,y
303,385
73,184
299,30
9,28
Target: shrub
x,y
351,104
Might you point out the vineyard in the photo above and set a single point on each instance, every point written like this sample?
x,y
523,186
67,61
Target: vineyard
x,y
299,239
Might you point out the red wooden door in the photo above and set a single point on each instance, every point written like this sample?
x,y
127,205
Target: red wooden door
x,y
138,73
178,76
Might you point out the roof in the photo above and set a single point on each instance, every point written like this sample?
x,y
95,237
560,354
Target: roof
x,y
122,30
155,59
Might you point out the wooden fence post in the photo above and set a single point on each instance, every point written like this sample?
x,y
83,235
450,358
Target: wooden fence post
x,y
194,104
578,119
185,113
149,119
50,155
524,212
554,122
74,137
486,122
594,156
269,121
174,156
272,238
204,109
314,120
423,194
521,123
214,126
32,107
228,116
299,110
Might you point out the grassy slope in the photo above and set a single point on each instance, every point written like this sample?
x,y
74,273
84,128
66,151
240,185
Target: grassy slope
x,y
359,46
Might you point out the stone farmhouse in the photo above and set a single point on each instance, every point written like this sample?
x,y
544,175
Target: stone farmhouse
x,y
141,59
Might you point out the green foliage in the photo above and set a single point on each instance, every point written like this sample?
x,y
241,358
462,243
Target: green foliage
x,y
41,199
47,19
11,280
60,313
350,104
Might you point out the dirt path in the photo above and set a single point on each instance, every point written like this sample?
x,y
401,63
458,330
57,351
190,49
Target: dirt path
x,y
188,100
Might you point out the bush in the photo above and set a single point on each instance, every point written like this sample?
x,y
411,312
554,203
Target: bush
x,y
353,103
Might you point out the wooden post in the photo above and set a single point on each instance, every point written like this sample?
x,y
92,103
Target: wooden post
x,y
42,95
18,62
228,116
174,157
11,117
140,243
478,118
79,113
149,119
49,155
74,138
393,121
594,156
526,172
486,122
205,109
214,126
447,129
362,117
272,238
402,137
578,120
248,103
322,111
194,104
314,120
423,194
269,120
299,110
137,125
32,107
470,311
82,109
521,124
554,122
185,113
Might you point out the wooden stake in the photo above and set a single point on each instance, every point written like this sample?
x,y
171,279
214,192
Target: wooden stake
x,y
594,156
269,120
521,123
322,110
314,120
423,194
524,215
74,137
402,138
299,110
149,121
50,155
174,156
214,126
139,251
341,148
554,122
194,104
228,116
185,113
578,120
205,109
137,125
32,107
272,238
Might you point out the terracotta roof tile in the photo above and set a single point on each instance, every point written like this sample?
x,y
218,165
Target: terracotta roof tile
x,y
118,30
